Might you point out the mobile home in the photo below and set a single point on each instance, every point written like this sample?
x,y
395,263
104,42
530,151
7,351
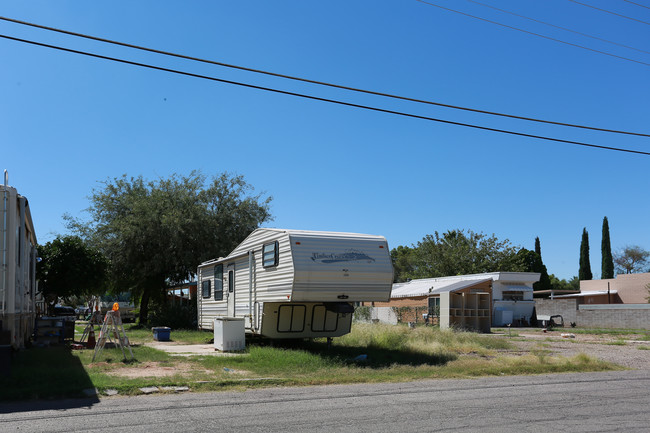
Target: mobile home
x,y
18,272
295,284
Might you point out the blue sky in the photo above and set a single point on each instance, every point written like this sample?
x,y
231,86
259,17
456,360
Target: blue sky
x,y
68,122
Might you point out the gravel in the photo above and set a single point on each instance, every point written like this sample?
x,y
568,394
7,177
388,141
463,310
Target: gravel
x,y
610,348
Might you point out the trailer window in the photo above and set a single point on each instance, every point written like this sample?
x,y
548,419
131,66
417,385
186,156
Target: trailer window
x,y
270,254
218,283
205,287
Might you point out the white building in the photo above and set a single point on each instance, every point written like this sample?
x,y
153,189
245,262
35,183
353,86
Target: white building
x,y
512,293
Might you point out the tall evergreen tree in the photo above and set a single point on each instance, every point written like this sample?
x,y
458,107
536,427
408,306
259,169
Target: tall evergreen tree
x,y
584,273
544,282
607,266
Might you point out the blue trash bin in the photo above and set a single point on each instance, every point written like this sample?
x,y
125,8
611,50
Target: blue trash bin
x,y
161,333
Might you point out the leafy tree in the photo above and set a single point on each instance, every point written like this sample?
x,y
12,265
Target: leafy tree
x,y
457,252
402,258
607,266
584,273
631,259
538,247
155,233
69,267
530,261
562,284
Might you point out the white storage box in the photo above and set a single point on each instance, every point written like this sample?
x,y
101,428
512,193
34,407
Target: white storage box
x,y
229,334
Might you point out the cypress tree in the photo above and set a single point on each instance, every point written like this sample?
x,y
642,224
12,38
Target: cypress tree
x,y
544,280
607,267
584,273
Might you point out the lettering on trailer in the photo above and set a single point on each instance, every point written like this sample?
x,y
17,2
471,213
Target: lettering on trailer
x,y
347,256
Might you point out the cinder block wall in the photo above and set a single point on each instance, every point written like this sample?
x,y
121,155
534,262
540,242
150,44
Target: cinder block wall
x,y
567,308
635,318
616,316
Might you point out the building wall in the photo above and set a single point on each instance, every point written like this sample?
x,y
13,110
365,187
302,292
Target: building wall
x,y
631,288
406,309
634,316
567,308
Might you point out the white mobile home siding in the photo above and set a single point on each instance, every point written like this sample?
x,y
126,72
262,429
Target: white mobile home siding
x,y
312,267
268,284
332,268
18,285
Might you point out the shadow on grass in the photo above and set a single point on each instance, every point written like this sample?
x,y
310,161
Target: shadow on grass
x,y
54,374
371,356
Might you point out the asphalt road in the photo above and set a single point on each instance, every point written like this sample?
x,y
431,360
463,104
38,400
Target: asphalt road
x,y
586,402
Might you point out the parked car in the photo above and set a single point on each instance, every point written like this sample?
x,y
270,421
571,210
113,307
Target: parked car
x,y
61,311
82,312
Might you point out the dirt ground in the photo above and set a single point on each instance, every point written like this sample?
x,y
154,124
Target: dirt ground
x,y
626,351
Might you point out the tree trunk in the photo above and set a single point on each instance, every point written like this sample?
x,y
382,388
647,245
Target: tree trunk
x,y
144,307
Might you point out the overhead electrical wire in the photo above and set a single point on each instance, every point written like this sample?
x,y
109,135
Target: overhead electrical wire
x,y
610,12
317,98
534,34
559,27
638,4
321,83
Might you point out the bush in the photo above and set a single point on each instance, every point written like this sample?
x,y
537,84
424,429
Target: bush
x,y
361,314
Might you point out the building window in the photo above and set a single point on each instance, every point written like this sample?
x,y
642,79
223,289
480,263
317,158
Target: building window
x,y
231,281
513,296
205,287
218,283
270,254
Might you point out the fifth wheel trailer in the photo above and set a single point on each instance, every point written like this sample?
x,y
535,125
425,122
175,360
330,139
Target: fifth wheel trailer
x,y
18,272
295,284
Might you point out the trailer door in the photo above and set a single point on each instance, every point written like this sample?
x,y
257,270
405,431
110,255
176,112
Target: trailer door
x,y
231,290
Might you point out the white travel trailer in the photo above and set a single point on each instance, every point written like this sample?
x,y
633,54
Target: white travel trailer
x,y
295,284
18,273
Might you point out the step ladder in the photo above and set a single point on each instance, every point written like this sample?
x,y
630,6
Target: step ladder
x,y
113,331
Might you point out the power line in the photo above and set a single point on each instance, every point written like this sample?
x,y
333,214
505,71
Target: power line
x,y
321,83
535,34
559,27
610,12
316,98
638,4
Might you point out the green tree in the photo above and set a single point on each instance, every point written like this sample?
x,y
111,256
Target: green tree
x,y
544,282
155,233
530,261
607,266
402,258
562,284
459,252
631,259
584,273
69,267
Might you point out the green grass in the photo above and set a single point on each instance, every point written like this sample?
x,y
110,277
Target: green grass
x,y
618,342
645,335
370,353
140,334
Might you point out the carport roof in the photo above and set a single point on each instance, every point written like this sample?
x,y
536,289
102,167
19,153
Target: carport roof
x,y
431,286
